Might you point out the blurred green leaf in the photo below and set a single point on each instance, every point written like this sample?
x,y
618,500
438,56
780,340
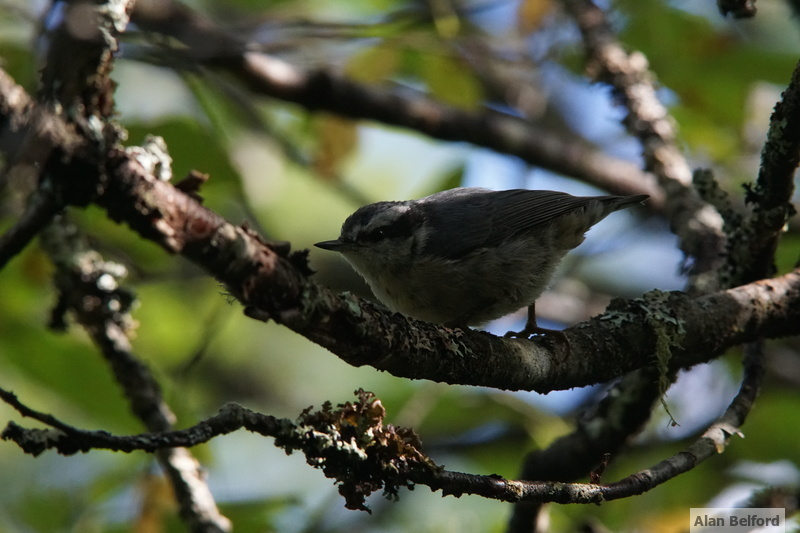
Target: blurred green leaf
x,y
374,64
259,155
450,81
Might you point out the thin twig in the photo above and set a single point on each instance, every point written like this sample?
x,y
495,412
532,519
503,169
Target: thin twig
x,y
712,442
319,434
621,414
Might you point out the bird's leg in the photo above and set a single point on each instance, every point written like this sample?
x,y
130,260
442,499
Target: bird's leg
x,y
530,324
532,328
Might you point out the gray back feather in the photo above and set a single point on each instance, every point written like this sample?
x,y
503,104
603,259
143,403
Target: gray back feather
x,y
480,218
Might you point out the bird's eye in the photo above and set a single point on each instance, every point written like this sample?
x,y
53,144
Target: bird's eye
x,y
376,234
398,228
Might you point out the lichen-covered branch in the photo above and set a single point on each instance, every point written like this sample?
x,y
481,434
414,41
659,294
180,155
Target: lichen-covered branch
x,y
272,281
89,290
75,85
71,126
771,198
81,162
28,136
352,445
713,441
81,42
696,223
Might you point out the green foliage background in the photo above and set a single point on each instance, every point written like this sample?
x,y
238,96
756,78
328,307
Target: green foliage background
x,y
295,176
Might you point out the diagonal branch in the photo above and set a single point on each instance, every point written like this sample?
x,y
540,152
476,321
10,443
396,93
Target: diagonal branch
x,y
696,223
273,282
324,90
771,199
712,442
754,242
75,78
76,84
622,413
267,278
29,137
41,209
88,288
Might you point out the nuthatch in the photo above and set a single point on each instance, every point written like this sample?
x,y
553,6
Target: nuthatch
x,y
468,255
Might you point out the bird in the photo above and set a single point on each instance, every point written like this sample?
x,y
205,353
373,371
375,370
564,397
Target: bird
x,y
466,256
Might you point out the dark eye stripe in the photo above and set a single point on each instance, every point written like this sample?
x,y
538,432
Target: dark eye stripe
x,y
402,227
386,232
374,235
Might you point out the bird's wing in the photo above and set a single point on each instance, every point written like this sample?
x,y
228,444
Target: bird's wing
x,y
484,219
520,210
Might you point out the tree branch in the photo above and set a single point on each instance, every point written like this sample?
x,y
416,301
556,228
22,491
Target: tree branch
x,y
712,442
42,207
76,84
29,137
75,78
352,445
82,40
273,282
771,199
621,414
696,223
323,90
88,287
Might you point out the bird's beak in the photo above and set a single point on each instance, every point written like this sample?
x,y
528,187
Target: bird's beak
x,y
335,246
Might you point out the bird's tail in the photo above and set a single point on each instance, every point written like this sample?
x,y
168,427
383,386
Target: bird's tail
x,y
615,203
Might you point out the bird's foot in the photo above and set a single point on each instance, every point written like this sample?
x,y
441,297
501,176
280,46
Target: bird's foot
x,y
532,330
